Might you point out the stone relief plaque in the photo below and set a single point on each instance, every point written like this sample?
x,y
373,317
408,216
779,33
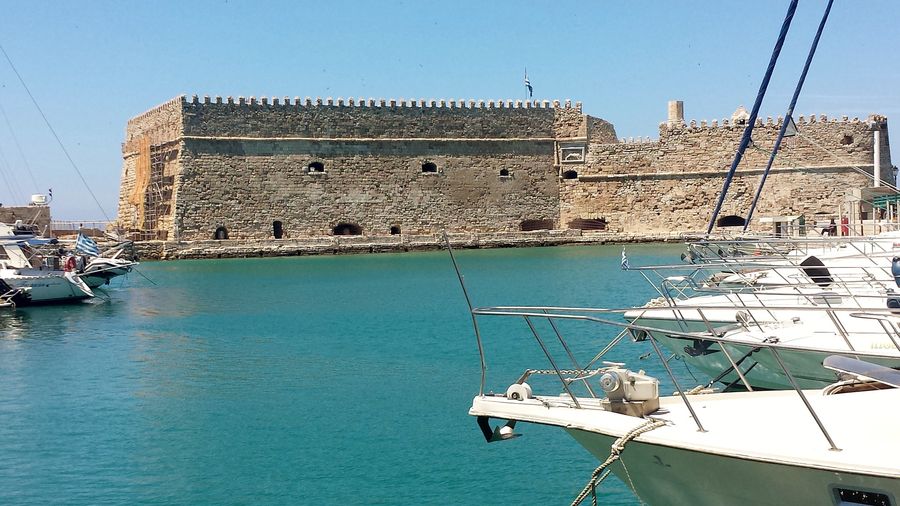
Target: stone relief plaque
x,y
571,153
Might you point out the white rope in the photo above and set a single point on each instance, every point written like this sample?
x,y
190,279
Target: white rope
x,y
616,450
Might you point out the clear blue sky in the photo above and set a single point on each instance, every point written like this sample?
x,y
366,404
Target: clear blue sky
x,y
93,65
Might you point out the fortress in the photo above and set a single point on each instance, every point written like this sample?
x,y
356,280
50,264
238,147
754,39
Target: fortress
x,y
202,169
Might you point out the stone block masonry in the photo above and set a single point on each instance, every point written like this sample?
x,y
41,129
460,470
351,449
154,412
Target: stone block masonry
x,y
670,183
261,169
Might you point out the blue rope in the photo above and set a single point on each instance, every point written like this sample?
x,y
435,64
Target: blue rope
x,y
789,116
745,140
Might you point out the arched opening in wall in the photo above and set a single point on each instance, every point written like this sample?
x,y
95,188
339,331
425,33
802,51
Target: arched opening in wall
x,y
395,230
347,229
221,233
847,139
731,221
315,167
529,225
588,224
504,172
429,167
570,174
277,229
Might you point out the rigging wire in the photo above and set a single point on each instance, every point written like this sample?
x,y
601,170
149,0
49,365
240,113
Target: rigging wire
x,y
850,164
751,122
789,116
791,162
55,136
12,186
12,135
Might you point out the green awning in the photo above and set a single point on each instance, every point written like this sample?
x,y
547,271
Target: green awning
x,y
882,201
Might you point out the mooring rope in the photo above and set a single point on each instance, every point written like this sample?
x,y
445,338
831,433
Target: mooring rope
x,y
615,451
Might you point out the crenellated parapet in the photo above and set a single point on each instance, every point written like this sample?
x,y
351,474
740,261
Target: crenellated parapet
x,y
159,125
412,103
768,122
697,146
371,118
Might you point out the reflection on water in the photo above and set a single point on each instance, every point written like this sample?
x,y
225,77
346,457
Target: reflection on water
x,y
282,380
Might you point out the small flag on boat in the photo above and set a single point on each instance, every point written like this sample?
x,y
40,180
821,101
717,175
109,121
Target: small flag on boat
x,y
86,245
528,84
625,265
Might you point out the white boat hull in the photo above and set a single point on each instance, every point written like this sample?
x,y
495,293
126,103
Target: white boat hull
x,y
665,475
46,289
756,447
805,365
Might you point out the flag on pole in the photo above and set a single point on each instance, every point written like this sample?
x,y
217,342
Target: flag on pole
x,y
86,245
625,265
528,84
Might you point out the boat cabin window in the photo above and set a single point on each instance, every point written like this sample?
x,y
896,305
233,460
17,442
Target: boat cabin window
x,y
854,497
817,272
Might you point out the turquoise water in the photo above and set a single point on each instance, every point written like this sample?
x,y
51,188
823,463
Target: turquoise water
x,y
309,380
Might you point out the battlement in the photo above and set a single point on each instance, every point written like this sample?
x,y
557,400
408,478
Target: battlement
x,y
873,121
288,102
168,105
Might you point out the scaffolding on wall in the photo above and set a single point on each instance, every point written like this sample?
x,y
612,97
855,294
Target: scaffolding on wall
x,y
153,189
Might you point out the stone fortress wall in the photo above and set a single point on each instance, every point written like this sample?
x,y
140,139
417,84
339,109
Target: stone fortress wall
x,y
673,182
195,169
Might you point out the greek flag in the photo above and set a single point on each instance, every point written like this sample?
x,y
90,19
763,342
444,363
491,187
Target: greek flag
x,y
528,84
625,266
86,245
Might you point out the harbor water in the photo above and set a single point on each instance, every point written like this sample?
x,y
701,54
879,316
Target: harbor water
x,y
304,380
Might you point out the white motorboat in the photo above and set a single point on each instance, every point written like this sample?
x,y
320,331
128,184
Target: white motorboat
x,y
803,343
744,447
833,445
826,315
40,279
696,447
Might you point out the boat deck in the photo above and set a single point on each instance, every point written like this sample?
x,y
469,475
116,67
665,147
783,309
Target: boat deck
x,y
770,426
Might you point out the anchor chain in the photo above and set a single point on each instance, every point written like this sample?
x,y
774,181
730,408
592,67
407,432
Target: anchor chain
x,y
562,371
